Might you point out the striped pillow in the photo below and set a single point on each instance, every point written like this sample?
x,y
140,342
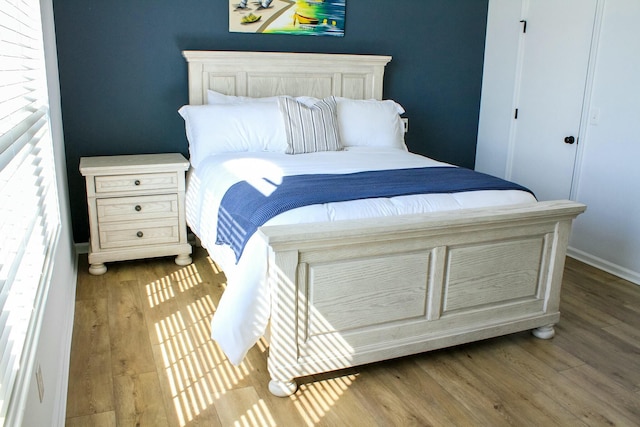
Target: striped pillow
x,y
310,128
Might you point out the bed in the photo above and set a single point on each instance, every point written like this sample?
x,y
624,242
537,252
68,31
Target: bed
x,y
339,284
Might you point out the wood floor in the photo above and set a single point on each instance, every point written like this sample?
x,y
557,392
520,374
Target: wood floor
x,y
141,356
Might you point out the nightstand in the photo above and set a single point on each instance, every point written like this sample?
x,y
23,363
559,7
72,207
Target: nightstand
x,y
136,208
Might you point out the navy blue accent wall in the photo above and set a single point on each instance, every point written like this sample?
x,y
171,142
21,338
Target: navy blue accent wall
x,y
123,77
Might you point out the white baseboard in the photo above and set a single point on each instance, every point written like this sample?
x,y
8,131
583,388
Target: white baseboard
x,y
616,270
82,248
60,406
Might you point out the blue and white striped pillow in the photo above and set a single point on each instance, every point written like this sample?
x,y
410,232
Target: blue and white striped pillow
x,y
310,128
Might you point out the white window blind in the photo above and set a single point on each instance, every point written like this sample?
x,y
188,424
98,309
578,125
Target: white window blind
x,y
29,218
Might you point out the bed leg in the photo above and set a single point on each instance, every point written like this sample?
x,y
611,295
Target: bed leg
x,y
282,388
544,332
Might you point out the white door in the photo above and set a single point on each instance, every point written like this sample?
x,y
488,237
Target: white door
x,y
549,94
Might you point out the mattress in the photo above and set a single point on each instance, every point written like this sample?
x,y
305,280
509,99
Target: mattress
x,y
243,312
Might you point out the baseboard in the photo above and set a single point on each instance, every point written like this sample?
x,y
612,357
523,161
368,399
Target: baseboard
x,y
82,248
60,407
616,270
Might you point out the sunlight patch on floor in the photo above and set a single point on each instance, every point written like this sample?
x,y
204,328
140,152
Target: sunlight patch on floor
x,y
187,277
159,292
316,399
197,372
257,416
195,367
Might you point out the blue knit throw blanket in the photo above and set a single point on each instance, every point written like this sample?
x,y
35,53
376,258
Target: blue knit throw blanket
x,y
244,208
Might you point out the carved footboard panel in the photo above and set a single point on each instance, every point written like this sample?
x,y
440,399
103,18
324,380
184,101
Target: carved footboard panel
x,y
354,292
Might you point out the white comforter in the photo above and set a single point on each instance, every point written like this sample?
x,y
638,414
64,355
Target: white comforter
x,y
243,312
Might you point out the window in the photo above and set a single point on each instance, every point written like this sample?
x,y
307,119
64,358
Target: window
x,y
29,217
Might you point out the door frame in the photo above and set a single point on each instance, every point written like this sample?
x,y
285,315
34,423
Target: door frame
x,y
586,118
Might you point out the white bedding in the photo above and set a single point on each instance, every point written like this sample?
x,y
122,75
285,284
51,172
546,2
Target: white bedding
x,y
243,312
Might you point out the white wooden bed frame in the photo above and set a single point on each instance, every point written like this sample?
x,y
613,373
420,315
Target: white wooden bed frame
x,y
353,292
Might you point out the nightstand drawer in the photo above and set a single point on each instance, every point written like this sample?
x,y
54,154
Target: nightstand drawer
x,y
140,233
136,182
137,208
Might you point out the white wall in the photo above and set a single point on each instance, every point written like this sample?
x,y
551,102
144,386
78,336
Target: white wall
x,y
54,343
608,234
607,176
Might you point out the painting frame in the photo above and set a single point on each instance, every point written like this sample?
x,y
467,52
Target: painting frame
x,y
293,17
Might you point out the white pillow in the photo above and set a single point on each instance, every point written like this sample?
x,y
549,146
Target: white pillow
x,y
249,126
310,128
361,123
370,123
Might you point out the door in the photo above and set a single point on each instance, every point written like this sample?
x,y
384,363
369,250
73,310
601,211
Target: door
x,y
549,94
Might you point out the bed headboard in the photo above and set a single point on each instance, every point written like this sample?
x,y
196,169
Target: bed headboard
x,y
260,74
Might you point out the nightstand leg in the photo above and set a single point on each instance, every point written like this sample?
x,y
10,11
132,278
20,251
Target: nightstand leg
x,y
183,259
97,269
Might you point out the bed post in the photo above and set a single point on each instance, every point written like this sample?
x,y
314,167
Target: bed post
x,y
554,276
544,332
282,359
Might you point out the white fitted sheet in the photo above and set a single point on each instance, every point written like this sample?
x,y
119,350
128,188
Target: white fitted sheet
x,y
243,311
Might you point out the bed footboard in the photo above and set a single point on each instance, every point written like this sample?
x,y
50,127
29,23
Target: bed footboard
x,y
354,292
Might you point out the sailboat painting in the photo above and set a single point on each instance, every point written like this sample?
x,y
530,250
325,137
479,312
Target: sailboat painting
x,y
297,17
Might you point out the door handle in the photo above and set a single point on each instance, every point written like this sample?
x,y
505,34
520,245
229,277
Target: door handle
x,y
569,140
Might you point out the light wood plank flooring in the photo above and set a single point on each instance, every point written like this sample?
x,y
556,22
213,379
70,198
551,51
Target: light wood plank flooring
x,y
141,356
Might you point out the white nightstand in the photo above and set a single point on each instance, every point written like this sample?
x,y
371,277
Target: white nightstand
x,y
136,208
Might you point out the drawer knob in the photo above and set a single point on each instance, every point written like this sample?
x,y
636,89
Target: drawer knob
x,y
139,234
137,182
138,208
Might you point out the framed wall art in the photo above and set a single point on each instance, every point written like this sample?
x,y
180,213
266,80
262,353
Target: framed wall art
x,y
296,17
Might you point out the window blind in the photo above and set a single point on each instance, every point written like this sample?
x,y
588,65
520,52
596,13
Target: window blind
x,y
29,218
